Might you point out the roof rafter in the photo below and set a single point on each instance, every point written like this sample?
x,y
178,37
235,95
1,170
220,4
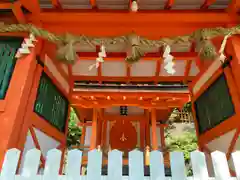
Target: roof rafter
x,y
33,7
169,4
99,69
93,4
56,4
189,63
17,11
158,66
207,3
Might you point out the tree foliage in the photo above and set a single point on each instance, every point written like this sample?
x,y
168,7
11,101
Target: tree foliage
x,y
74,131
188,106
186,143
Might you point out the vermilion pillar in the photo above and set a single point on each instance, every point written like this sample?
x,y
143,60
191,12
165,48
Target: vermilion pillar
x,y
94,130
154,129
11,119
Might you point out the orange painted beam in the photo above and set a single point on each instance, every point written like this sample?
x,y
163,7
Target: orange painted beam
x,y
139,18
149,24
151,31
116,56
187,70
17,34
6,5
2,105
33,7
37,145
144,104
47,128
207,3
17,11
158,94
133,79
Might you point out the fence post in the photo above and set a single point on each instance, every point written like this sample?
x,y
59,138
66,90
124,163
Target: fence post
x,y
220,166
53,161
156,165
31,164
94,165
73,167
115,165
199,165
136,170
10,164
177,166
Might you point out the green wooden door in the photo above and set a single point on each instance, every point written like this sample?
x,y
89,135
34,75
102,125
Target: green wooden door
x,y
8,49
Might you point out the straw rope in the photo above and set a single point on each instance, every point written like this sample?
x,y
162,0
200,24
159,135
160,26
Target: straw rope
x,y
66,43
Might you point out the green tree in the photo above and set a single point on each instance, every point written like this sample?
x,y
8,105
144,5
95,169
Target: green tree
x,y
186,143
74,131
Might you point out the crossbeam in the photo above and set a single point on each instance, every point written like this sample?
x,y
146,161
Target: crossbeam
x,y
175,16
150,24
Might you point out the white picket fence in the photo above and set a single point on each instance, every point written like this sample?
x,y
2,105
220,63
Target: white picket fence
x,y
74,157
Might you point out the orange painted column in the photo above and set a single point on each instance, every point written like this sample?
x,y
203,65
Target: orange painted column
x,y
82,139
16,102
162,136
147,126
94,130
104,132
154,129
142,133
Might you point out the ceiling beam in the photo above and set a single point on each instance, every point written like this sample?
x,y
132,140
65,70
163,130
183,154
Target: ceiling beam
x,y
160,95
207,3
151,31
5,5
132,78
140,18
148,24
144,104
116,56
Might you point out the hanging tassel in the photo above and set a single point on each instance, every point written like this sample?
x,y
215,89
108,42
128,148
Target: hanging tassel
x,y
96,65
67,53
136,55
207,51
167,51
